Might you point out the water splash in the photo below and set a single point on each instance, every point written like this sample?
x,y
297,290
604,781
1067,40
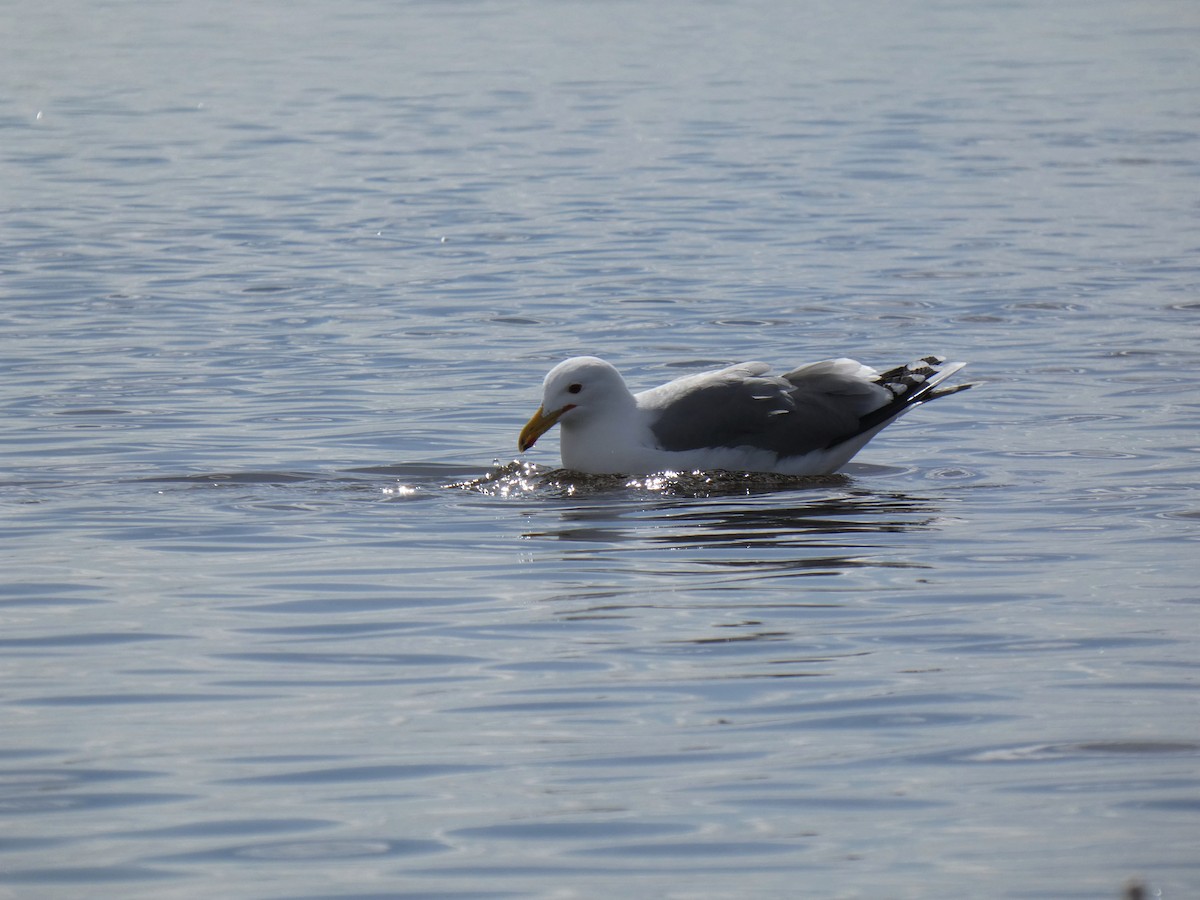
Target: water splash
x,y
519,478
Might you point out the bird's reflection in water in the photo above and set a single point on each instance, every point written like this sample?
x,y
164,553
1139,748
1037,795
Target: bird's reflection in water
x,y
737,564
640,539
728,510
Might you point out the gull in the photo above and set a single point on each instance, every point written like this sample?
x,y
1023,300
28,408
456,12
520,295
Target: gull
x,y
809,421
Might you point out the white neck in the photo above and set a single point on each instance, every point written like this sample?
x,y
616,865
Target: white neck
x,y
606,439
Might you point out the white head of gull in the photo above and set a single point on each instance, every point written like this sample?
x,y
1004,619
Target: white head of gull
x,y
809,421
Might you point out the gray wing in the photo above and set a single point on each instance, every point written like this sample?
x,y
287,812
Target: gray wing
x,y
812,408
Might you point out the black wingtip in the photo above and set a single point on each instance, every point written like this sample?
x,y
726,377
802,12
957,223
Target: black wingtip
x,y
952,389
913,384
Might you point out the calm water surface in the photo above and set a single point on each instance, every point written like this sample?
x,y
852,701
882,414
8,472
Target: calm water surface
x,y
281,618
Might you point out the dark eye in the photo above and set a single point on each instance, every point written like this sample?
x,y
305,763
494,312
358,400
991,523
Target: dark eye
x,y
574,388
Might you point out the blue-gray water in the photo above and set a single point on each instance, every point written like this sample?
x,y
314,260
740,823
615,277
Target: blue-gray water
x,y
279,285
